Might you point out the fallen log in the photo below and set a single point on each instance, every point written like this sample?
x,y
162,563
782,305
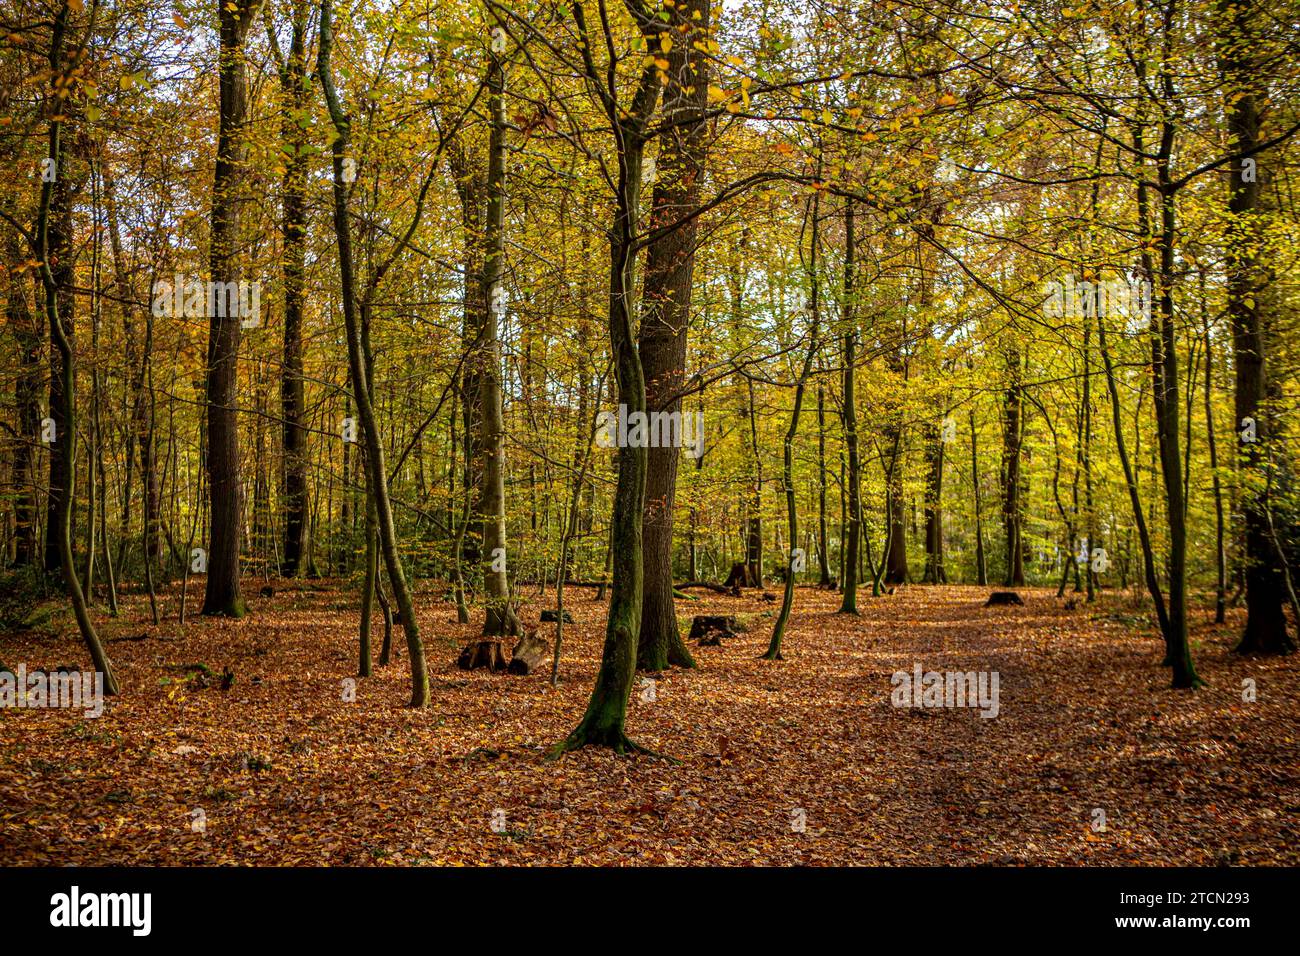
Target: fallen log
x,y
718,588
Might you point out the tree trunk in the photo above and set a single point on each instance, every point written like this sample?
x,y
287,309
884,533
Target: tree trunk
x,y
665,318
30,339
293,90
1220,549
606,715
934,453
849,561
500,619
222,595
1248,293
773,652
65,369
823,555
981,562
374,457
896,506
1012,438
62,263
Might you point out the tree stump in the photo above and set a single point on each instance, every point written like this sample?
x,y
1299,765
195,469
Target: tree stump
x,y
710,629
485,653
550,616
1004,597
529,654
741,576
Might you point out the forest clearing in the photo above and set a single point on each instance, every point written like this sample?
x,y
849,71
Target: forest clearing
x,y
1085,723
650,434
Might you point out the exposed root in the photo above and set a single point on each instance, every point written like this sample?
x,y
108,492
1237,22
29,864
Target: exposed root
x,y
619,742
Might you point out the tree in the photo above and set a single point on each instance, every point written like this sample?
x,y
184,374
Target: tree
x,y
295,103
61,80
222,595
665,317
1249,301
606,714
376,474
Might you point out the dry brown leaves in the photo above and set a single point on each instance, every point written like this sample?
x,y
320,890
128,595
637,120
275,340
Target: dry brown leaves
x,y
287,772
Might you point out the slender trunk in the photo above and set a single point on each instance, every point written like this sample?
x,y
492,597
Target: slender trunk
x,y
981,562
823,555
773,652
374,458
24,324
1130,480
62,264
934,456
849,564
1220,550
1012,439
65,369
500,619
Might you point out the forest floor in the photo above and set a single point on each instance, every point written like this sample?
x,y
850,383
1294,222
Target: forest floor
x,y
285,771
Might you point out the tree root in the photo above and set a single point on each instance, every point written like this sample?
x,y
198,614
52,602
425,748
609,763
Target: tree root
x,y
619,742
